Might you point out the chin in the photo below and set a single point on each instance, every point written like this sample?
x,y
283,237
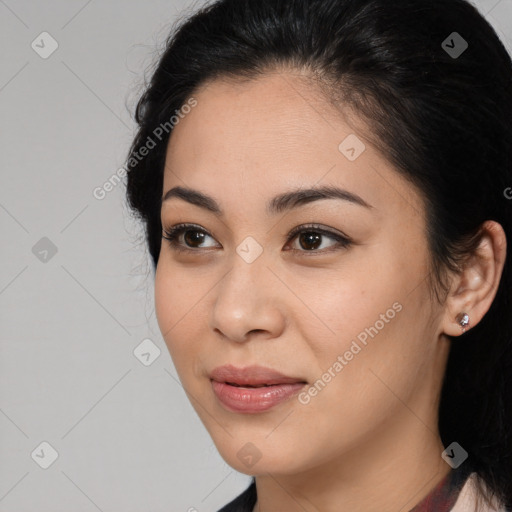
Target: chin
x,y
254,455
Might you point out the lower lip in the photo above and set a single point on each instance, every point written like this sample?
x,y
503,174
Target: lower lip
x,y
254,400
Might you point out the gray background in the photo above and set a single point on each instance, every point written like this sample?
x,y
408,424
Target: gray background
x,y
126,435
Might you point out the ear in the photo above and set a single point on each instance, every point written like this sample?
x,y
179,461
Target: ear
x,y
474,289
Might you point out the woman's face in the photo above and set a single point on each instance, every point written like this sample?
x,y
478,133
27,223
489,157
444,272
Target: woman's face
x,y
352,325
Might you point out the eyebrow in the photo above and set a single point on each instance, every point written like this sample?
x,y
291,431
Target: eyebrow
x,y
280,203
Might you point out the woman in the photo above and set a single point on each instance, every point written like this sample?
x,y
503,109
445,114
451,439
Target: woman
x,y
340,319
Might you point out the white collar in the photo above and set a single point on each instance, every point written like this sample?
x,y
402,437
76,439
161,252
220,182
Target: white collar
x,y
470,500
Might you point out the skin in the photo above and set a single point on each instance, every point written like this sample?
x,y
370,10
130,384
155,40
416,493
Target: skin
x,y
368,441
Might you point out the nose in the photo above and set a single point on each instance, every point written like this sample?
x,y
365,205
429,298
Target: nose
x,y
248,303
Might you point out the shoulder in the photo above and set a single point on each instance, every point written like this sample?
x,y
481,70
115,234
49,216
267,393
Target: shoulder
x,y
243,502
471,500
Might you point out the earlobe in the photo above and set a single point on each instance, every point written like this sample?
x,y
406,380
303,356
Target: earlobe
x,y
477,284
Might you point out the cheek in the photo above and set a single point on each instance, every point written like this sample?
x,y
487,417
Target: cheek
x,y
176,307
165,299
351,397
368,326
377,290
346,304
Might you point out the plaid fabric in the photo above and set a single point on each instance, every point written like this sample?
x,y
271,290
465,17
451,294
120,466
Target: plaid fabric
x,y
444,495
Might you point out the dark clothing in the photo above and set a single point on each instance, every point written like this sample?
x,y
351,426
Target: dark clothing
x,y
243,502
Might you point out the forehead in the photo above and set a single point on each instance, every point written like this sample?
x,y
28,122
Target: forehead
x,y
279,111
253,139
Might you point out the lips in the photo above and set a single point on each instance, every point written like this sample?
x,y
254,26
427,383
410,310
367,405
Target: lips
x,y
251,376
253,389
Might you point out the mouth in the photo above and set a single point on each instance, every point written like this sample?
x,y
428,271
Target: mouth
x,y
252,389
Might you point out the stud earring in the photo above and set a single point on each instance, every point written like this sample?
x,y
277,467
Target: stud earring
x,y
463,321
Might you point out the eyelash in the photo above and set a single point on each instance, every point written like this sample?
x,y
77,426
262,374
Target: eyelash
x,y
172,234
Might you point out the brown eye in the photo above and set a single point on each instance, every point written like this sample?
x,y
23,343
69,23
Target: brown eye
x,y
192,236
309,240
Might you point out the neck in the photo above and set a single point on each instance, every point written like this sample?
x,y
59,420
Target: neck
x,y
392,470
